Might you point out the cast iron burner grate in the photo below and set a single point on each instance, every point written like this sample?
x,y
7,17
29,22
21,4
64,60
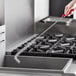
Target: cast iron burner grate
x,y
56,45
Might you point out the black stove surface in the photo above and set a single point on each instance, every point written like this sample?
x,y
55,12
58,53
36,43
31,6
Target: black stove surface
x,y
56,45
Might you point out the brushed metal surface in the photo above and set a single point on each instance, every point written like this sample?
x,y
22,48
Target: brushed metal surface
x,y
63,28
35,66
41,27
43,64
60,27
19,20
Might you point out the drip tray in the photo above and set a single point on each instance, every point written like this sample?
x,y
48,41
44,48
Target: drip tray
x,y
42,64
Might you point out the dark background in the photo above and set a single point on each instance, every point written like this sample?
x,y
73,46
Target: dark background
x,y
57,7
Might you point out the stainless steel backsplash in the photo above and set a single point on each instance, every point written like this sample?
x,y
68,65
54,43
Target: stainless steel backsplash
x,y
19,20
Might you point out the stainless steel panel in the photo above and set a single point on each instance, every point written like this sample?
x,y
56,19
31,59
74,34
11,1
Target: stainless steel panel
x,y
59,27
40,27
43,64
19,20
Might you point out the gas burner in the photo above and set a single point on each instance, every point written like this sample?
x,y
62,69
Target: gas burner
x,y
58,50
52,40
64,43
44,47
42,37
70,39
59,35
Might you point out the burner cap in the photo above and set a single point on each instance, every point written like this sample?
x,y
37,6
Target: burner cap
x,y
58,50
52,40
70,39
41,37
64,43
44,47
59,35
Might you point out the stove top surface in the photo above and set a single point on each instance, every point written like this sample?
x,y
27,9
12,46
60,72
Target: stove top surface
x,y
58,45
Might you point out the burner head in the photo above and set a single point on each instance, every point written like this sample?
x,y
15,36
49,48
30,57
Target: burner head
x,y
44,47
58,50
52,40
59,35
41,37
70,39
64,43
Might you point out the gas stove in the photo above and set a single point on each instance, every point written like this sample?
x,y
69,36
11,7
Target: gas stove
x,y
51,40
50,45
55,40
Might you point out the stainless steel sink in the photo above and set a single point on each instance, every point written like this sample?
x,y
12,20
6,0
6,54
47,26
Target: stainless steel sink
x,y
33,63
